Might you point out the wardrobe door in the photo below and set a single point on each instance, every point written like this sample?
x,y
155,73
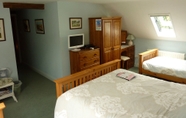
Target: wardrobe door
x,y
107,40
116,39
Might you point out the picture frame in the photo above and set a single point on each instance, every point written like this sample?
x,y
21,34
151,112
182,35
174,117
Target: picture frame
x,y
98,24
26,25
39,24
2,30
75,23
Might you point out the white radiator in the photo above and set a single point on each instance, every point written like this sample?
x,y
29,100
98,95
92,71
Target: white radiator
x,y
171,54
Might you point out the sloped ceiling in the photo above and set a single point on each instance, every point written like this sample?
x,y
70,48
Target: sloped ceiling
x,y
136,20
135,14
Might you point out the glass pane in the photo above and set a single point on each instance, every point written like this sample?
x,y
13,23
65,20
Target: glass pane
x,y
163,26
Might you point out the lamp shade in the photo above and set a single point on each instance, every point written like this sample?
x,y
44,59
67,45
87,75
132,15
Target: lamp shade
x,y
130,37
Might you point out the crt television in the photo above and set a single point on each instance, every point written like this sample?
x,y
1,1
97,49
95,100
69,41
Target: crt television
x,y
76,41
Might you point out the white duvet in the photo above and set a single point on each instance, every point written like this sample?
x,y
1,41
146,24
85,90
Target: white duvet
x,y
166,65
111,97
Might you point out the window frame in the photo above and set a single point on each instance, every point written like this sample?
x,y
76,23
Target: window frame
x,y
157,29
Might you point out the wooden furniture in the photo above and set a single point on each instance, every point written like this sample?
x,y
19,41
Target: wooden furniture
x,y
83,59
76,79
124,61
7,91
2,106
128,50
109,96
151,54
106,36
124,37
23,5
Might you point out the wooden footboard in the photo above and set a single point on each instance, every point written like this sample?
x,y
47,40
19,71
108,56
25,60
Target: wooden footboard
x,y
2,106
165,77
76,79
145,56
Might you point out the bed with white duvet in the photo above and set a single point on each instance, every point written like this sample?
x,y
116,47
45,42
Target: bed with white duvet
x,y
109,96
166,65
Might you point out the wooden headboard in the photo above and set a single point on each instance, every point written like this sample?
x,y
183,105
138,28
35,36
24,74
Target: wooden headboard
x,y
145,56
76,79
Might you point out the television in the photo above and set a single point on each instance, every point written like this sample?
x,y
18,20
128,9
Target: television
x,y
75,41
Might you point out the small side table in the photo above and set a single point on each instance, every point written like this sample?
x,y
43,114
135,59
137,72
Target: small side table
x,y
7,90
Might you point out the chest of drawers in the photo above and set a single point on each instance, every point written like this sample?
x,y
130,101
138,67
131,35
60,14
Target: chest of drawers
x,y
84,59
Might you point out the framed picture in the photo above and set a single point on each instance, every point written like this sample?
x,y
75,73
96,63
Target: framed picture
x,y
98,24
2,30
75,23
39,26
26,25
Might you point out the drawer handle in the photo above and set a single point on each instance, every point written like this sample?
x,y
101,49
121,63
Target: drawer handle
x,y
95,54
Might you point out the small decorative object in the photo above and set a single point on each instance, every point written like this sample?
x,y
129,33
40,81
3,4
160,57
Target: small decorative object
x,y
130,37
98,24
127,76
4,81
75,23
26,25
39,26
2,30
5,72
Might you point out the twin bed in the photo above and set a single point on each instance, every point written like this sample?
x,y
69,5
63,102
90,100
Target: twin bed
x,y
98,93
166,65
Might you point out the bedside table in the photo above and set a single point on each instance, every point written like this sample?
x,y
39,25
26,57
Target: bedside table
x,y
7,90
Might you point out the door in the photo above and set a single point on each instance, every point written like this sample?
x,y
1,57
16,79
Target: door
x,y
116,39
16,37
107,40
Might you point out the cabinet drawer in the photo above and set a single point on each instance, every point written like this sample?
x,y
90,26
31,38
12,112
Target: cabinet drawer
x,y
89,55
84,59
131,49
87,64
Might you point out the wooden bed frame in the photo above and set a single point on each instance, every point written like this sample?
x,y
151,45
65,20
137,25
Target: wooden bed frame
x,y
2,106
76,79
150,54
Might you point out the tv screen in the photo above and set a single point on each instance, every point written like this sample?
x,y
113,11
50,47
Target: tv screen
x,y
76,41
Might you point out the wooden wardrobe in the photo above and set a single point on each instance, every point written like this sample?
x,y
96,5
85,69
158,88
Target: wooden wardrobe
x,y
105,33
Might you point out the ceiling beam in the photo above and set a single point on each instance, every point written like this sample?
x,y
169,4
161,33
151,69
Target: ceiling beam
x,y
22,5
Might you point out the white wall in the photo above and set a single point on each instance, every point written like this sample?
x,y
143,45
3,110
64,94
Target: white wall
x,y
42,52
75,9
48,53
7,53
136,20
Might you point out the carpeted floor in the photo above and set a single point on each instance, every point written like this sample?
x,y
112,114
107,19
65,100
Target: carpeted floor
x,y
134,69
37,98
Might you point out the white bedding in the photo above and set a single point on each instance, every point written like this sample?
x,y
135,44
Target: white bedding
x,y
111,97
166,65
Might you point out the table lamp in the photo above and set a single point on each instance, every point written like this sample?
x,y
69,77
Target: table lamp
x,y
130,37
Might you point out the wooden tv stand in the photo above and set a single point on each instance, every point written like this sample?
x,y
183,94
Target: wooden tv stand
x,y
83,59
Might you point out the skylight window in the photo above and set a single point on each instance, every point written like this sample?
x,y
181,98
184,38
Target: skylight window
x,y
163,25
